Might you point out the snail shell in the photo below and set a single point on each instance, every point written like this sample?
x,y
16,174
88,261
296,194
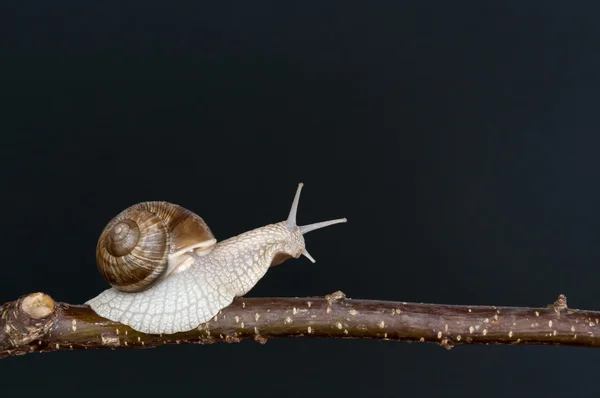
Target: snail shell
x,y
139,246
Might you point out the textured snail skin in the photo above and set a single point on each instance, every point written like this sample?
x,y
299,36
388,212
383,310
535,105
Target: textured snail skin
x,y
194,293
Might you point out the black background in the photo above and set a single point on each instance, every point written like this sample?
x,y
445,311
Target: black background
x,y
461,140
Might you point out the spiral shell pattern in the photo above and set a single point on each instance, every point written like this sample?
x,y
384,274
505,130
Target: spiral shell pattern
x,y
133,250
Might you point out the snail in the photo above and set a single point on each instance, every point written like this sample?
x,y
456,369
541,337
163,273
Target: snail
x,y
168,272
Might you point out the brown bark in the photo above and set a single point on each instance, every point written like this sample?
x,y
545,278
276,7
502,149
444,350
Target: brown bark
x,y
35,323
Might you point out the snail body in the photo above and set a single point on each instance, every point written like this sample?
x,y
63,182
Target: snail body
x,y
181,276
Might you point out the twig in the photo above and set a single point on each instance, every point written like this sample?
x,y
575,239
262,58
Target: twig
x,y
36,323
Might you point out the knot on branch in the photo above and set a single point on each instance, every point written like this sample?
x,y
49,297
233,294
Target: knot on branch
x,y
335,297
560,304
27,319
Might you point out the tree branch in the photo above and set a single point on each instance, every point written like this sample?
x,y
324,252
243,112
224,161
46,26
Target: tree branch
x,y
36,323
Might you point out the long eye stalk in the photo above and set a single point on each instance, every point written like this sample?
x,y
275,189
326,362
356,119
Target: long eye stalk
x,y
304,229
291,220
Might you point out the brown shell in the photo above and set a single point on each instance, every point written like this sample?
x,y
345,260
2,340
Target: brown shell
x,y
132,251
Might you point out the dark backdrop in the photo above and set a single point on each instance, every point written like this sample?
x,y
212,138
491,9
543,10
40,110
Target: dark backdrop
x,y
460,140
